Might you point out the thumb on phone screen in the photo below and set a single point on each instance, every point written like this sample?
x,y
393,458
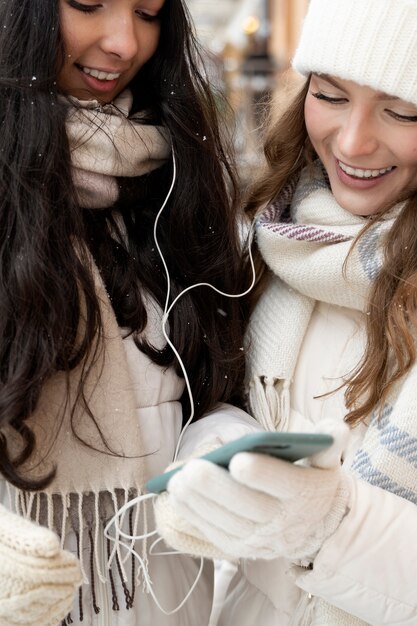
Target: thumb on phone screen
x,y
332,456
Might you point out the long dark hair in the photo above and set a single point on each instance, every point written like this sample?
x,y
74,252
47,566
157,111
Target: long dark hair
x,y
44,277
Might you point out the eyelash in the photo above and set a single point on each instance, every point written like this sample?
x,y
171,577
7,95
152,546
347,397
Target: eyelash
x,y
401,118
84,8
147,17
320,96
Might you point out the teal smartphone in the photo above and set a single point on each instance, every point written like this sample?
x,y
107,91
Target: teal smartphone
x,y
288,446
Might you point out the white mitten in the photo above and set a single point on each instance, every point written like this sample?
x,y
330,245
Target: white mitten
x,y
263,507
179,534
38,579
176,530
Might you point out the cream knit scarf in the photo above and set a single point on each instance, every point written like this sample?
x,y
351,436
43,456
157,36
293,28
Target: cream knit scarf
x,y
92,482
109,149
305,237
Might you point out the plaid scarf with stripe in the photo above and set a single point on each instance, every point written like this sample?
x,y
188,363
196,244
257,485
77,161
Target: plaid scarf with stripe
x,y
305,238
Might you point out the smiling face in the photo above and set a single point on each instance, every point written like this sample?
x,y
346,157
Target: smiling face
x,y
106,43
366,140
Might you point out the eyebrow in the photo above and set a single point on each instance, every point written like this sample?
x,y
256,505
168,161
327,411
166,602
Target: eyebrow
x,y
332,81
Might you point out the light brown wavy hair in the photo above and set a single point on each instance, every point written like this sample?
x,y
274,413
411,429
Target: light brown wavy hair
x,y
391,322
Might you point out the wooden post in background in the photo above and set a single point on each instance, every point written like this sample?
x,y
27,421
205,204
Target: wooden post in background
x,y
286,20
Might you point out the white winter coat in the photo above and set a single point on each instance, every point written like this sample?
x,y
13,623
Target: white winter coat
x,y
368,567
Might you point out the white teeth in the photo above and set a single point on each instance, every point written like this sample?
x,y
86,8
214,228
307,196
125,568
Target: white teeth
x,y
100,75
358,173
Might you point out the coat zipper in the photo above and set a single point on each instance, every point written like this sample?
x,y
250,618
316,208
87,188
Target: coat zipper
x,y
304,611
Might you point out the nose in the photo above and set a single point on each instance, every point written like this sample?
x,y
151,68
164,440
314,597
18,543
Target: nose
x,y
120,37
357,135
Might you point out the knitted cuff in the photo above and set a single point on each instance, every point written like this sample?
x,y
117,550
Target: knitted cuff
x,y
25,536
340,508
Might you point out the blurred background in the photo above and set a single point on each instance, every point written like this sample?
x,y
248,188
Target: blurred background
x,y
249,45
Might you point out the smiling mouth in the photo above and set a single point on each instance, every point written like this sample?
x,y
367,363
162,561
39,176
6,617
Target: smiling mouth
x,y
364,174
99,74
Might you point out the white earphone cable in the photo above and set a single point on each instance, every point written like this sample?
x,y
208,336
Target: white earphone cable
x,y
115,521
168,309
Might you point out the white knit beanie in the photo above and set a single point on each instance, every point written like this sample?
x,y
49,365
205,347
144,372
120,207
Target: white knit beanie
x,y
371,42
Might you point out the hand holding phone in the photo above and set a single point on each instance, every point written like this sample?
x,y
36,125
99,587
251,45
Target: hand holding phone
x,y
288,446
263,507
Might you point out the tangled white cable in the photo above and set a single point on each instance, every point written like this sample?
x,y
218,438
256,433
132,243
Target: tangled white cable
x,y
128,546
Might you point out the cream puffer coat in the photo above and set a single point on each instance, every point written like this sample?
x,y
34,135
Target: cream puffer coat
x,y
368,567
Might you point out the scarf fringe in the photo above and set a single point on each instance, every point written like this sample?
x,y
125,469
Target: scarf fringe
x,y
269,400
86,515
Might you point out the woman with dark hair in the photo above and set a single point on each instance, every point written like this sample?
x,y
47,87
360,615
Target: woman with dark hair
x,y
106,119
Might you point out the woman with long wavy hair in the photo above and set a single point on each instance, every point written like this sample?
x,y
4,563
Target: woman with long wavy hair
x,y
331,342
106,119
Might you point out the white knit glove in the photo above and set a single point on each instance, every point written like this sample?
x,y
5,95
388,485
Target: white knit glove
x,y
38,579
179,534
173,527
262,508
